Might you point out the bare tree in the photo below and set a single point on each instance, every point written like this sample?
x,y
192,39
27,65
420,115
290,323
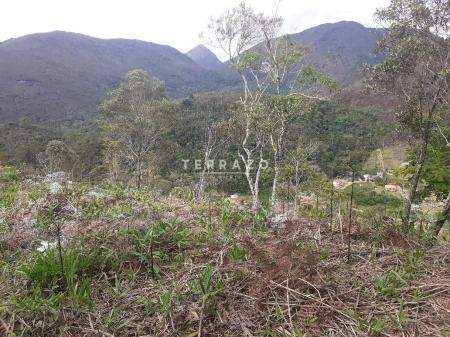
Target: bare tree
x,y
57,157
212,142
268,64
235,32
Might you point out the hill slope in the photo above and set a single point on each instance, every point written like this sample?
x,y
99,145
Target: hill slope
x,y
339,49
336,49
62,75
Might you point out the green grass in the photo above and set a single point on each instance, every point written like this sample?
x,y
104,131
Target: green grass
x,y
44,272
8,194
390,283
393,156
9,174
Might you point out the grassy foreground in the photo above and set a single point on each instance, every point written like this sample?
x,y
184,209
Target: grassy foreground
x,y
115,262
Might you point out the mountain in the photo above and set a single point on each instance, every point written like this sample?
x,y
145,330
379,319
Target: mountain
x,y
204,57
61,76
335,49
64,76
339,49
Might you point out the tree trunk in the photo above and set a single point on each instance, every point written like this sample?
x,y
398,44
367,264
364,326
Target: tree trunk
x,y
139,175
444,216
273,197
331,206
297,183
425,131
277,148
350,216
255,201
415,180
201,186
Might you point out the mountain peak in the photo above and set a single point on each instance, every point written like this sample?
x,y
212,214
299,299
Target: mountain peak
x,y
204,57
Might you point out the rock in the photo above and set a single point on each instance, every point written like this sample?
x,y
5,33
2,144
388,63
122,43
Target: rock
x,y
393,188
55,188
279,219
415,207
341,183
45,245
236,199
405,164
30,182
59,177
95,194
91,195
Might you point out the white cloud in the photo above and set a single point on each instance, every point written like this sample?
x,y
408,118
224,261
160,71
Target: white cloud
x,y
173,22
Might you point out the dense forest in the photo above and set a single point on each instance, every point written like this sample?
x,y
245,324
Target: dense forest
x,y
280,197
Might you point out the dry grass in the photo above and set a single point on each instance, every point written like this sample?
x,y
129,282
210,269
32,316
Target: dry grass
x,y
292,281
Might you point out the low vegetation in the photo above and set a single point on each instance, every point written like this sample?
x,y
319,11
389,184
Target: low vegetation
x,y
124,261
281,210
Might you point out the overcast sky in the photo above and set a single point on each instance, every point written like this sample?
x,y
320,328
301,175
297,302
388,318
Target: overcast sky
x,y
177,23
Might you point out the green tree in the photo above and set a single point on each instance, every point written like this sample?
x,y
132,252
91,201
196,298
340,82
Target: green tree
x,y
345,136
131,125
436,170
415,70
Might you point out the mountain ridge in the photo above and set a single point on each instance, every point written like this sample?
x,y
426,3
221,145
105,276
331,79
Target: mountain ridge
x,y
60,75
67,74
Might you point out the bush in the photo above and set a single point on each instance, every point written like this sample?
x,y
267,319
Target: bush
x,y
366,195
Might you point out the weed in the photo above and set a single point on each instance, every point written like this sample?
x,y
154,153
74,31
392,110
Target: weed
x,y
391,282
377,326
9,173
8,194
44,272
153,244
237,253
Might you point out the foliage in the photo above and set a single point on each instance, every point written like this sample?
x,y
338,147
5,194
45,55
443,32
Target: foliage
x,y
345,136
130,125
44,272
9,173
367,195
415,71
153,244
436,171
8,193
